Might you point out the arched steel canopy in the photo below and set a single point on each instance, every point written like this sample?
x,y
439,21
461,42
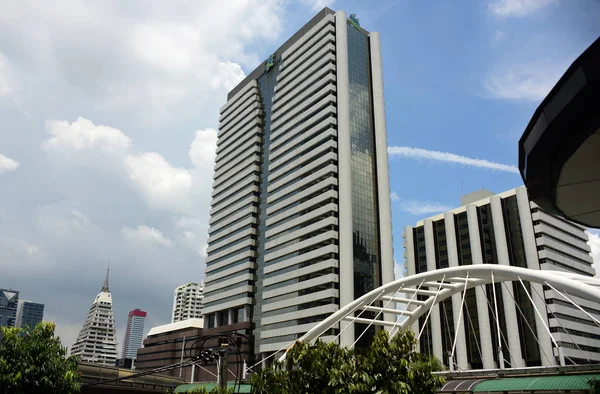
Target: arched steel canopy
x,y
559,152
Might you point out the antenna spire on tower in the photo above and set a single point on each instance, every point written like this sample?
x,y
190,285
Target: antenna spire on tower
x,y
105,287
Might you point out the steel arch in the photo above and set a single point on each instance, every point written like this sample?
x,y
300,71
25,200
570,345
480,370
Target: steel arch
x,y
441,284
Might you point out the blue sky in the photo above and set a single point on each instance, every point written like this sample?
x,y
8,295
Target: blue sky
x,y
108,113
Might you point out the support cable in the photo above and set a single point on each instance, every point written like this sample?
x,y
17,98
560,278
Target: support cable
x,y
392,333
574,303
526,322
432,305
543,322
564,330
355,317
376,317
462,303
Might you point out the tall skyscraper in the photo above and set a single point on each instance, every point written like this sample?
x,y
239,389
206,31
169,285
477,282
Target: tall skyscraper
x,y
187,302
9,301
505,229
97,340
134,334
29,314
301,220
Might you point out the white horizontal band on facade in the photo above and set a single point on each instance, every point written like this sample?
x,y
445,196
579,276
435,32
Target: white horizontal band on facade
x,y
253,127
235,98
245,255
318,62
226,283
292,198
279,332
326,236
249,93
228,305
309,167
249,200
229,293
315,83
300,314
242,174
249,233
283,144
235,151
302,232
294,48
558,246
544,217
248,185
224,234
301,160
320,252
294,59
319,295
331,194
331,207
320,266
544,228
302,114
248,211
240,118
302,145
232,249
306,100
229,272
320,280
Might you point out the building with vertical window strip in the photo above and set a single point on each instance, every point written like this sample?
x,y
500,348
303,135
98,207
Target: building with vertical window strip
x,y
300,221
29,314
504,229
134,335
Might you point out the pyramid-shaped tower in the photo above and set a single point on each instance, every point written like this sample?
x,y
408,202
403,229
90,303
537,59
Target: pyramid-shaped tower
x,y
97,341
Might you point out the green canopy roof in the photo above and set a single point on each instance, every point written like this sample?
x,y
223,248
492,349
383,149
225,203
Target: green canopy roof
x,y
538,383
184,388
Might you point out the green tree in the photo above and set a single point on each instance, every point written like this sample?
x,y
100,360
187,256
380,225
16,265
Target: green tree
x,y
33,362
388,366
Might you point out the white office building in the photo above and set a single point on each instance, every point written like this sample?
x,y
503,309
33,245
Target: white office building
x,y
97,340
300,221
505,229
187,302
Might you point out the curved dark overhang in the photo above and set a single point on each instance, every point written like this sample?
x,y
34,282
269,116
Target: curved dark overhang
x,y
559,152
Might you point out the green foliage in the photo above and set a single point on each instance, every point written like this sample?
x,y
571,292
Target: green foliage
x,y
35,362
389,366
594,386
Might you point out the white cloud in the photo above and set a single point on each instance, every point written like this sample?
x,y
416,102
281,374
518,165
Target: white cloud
x,y
317,5
203,149
447,157
517,8
7,164
66,225
145,235
84,135
394,196
227,76
162,184
530,82
398,270
594,242
418,207
9,84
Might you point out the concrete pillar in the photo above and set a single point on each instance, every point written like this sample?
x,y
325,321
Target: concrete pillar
x,y
461,341
410,264
434,317
344,174
510,310
485,333
382,169
533,263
